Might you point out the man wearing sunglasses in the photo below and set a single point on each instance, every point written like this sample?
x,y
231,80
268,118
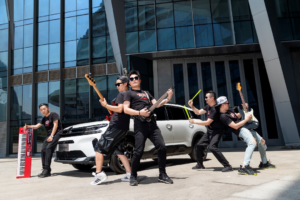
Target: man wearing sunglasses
x,y
251,137
54,129
215,130
136,103
115,133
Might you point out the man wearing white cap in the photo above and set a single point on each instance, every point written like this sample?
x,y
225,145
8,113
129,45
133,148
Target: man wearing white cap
x,y
251,137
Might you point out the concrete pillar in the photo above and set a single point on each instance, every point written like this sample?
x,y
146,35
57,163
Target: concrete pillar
x,y
115,16
278,63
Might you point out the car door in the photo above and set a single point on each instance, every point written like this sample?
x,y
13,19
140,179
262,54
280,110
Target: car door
x,y
179,124
161,121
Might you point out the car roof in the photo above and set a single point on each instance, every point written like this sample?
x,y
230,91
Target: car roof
x,y
176,105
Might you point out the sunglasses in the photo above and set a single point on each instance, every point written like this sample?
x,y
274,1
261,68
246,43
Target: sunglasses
x,y
134,78
118,84
206,97
226,103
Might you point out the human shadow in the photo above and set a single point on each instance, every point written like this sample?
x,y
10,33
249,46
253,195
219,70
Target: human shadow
x,y
144,180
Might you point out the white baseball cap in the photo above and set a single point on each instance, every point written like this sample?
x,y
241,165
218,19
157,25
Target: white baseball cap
x,y
221,100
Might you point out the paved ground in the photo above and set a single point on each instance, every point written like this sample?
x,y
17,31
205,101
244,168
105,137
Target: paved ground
x,y
211,183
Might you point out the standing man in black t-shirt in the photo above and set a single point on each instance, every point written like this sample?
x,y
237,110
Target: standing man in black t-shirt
x,y
54,129
136,103
215,130
114,134
251,137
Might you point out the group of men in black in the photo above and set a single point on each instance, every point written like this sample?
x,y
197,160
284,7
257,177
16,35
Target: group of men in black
x,y
134,103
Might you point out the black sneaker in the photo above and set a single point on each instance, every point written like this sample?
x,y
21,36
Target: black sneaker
x,y
246,171
268,165
133,181
227,168
45,173
163,177
198,166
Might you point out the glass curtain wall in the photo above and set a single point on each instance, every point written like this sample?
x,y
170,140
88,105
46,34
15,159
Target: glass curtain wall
x,y
21,98
179,84
23,36
48,40
193,83
243,23
102,49
3,59
288,13
166,25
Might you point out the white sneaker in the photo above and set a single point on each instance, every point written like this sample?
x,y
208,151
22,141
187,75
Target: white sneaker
x,y
126,178
98,178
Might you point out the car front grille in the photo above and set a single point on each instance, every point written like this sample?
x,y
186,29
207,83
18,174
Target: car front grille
x,y
69,155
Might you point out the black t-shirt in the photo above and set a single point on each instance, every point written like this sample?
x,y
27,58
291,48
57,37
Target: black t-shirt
x,y
120,120
48,123
138,99
213,113
227,118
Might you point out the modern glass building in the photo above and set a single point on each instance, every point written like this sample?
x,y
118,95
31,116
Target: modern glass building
x,y
47,46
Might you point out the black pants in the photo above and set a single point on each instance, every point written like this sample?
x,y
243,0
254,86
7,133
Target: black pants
x,y
47,151
212,140
142,132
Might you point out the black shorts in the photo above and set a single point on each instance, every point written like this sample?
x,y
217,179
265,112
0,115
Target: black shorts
x,y
110,141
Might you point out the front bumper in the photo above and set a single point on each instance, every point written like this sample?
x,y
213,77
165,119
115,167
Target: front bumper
x,y
80,160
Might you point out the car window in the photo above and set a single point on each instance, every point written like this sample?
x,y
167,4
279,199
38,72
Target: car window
x,y
175,113
160,113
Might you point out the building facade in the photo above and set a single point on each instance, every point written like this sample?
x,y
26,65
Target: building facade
x,y
47,46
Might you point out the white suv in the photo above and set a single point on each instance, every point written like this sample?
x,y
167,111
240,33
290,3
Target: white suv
x,y
76,146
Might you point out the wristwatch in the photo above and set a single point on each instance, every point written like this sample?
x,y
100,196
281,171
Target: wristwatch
x,y
52,136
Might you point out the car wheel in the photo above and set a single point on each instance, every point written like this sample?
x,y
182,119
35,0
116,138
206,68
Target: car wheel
x,y
82,166
193,154
115,163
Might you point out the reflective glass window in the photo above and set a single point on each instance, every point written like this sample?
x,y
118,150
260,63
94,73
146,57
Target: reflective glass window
x,y
146,17
18,10
163,1
240,10
296,28
27,99
18,58
294,8
16,103
204,35
70,99
201,11
220,11
53,95
3,61
179,84
28,35
70,5
43,55
235,78
109,50
193,83
4,40
132,42
99,24
27,57
183,13
83,88
54,31
43,33
99,47
3,14
42,97
82,4
112,91
70,28
18,37
28,9
147,41
43,7
70,51
131,21
223,34
285,29
164,15
82,26
243,32
54,53
54,7
184,37
166,39
82,49
221,78
97,3
206,77
282,8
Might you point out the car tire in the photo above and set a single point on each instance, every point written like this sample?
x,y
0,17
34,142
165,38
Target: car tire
x,y
115,163
193,154
82,166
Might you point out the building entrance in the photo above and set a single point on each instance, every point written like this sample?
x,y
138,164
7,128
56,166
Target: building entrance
x,y
221,74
